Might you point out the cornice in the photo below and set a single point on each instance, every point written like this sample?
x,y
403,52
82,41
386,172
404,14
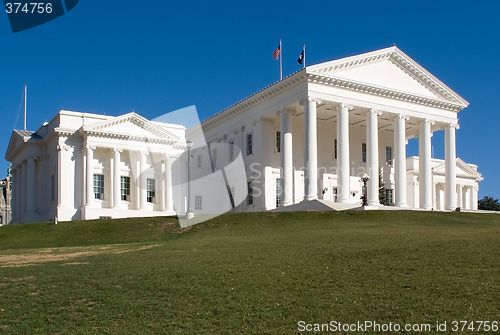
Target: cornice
x,y
263,94
382,91
128,137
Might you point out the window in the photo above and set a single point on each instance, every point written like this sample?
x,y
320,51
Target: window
x,y
52,187
278,141
335,147
249,144
250,194
150,190
214,157
198,159
99,186
198,202
125,188
363,152
388,155
388,196
231,151
278,192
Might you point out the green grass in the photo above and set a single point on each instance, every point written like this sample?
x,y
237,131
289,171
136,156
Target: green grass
x,y
249,273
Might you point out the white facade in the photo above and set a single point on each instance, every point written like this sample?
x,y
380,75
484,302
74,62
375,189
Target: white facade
x,y
313,135
88,166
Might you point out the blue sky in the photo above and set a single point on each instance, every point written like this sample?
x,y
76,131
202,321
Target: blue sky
x,y
110,57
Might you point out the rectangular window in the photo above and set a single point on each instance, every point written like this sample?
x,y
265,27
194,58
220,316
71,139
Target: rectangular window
x,y
231,151
249,144
278,192
198,160
278,141
99,186
335,147
125,188
52,187
388,196
388,155
198,202
363,152
150,190
214,158
250,194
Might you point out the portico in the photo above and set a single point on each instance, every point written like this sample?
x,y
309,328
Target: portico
x,y
397,126
336,121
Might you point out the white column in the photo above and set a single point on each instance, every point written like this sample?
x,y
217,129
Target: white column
x,y
311,150
15,178
425,172
450,192
24,197
169,202
372,157
440,191
143,181
434,195
90,175
287,157
30,199
19,192
467,202
473,192
459,196
400,161
343,154
117,197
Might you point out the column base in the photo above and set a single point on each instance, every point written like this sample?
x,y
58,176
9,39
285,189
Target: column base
x,y
189,215
311,197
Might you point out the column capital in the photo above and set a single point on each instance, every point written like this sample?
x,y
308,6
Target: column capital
x,y
373,111
400,116
452,125
344,105
63,147
290,110
89,147
310,99
117,150
425,120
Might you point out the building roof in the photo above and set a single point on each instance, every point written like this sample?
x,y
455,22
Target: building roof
x,y
361,73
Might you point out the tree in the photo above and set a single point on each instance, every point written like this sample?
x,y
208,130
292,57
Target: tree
x,y
489,204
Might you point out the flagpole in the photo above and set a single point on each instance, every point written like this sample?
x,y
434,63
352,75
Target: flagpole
x,y
281,61
25,101
304,50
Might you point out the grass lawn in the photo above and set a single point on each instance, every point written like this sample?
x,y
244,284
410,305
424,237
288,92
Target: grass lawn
x,y
257,273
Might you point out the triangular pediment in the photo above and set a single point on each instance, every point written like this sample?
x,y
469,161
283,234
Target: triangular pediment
x,y
389,69
18,138
130,125
462,169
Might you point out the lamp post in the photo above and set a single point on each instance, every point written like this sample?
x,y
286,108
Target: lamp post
x,y
365,179
189,213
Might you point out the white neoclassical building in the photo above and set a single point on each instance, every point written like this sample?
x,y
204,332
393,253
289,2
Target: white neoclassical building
x,y
312,135
87,166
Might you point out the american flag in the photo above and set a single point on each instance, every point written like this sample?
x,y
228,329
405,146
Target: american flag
x,y
277,52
